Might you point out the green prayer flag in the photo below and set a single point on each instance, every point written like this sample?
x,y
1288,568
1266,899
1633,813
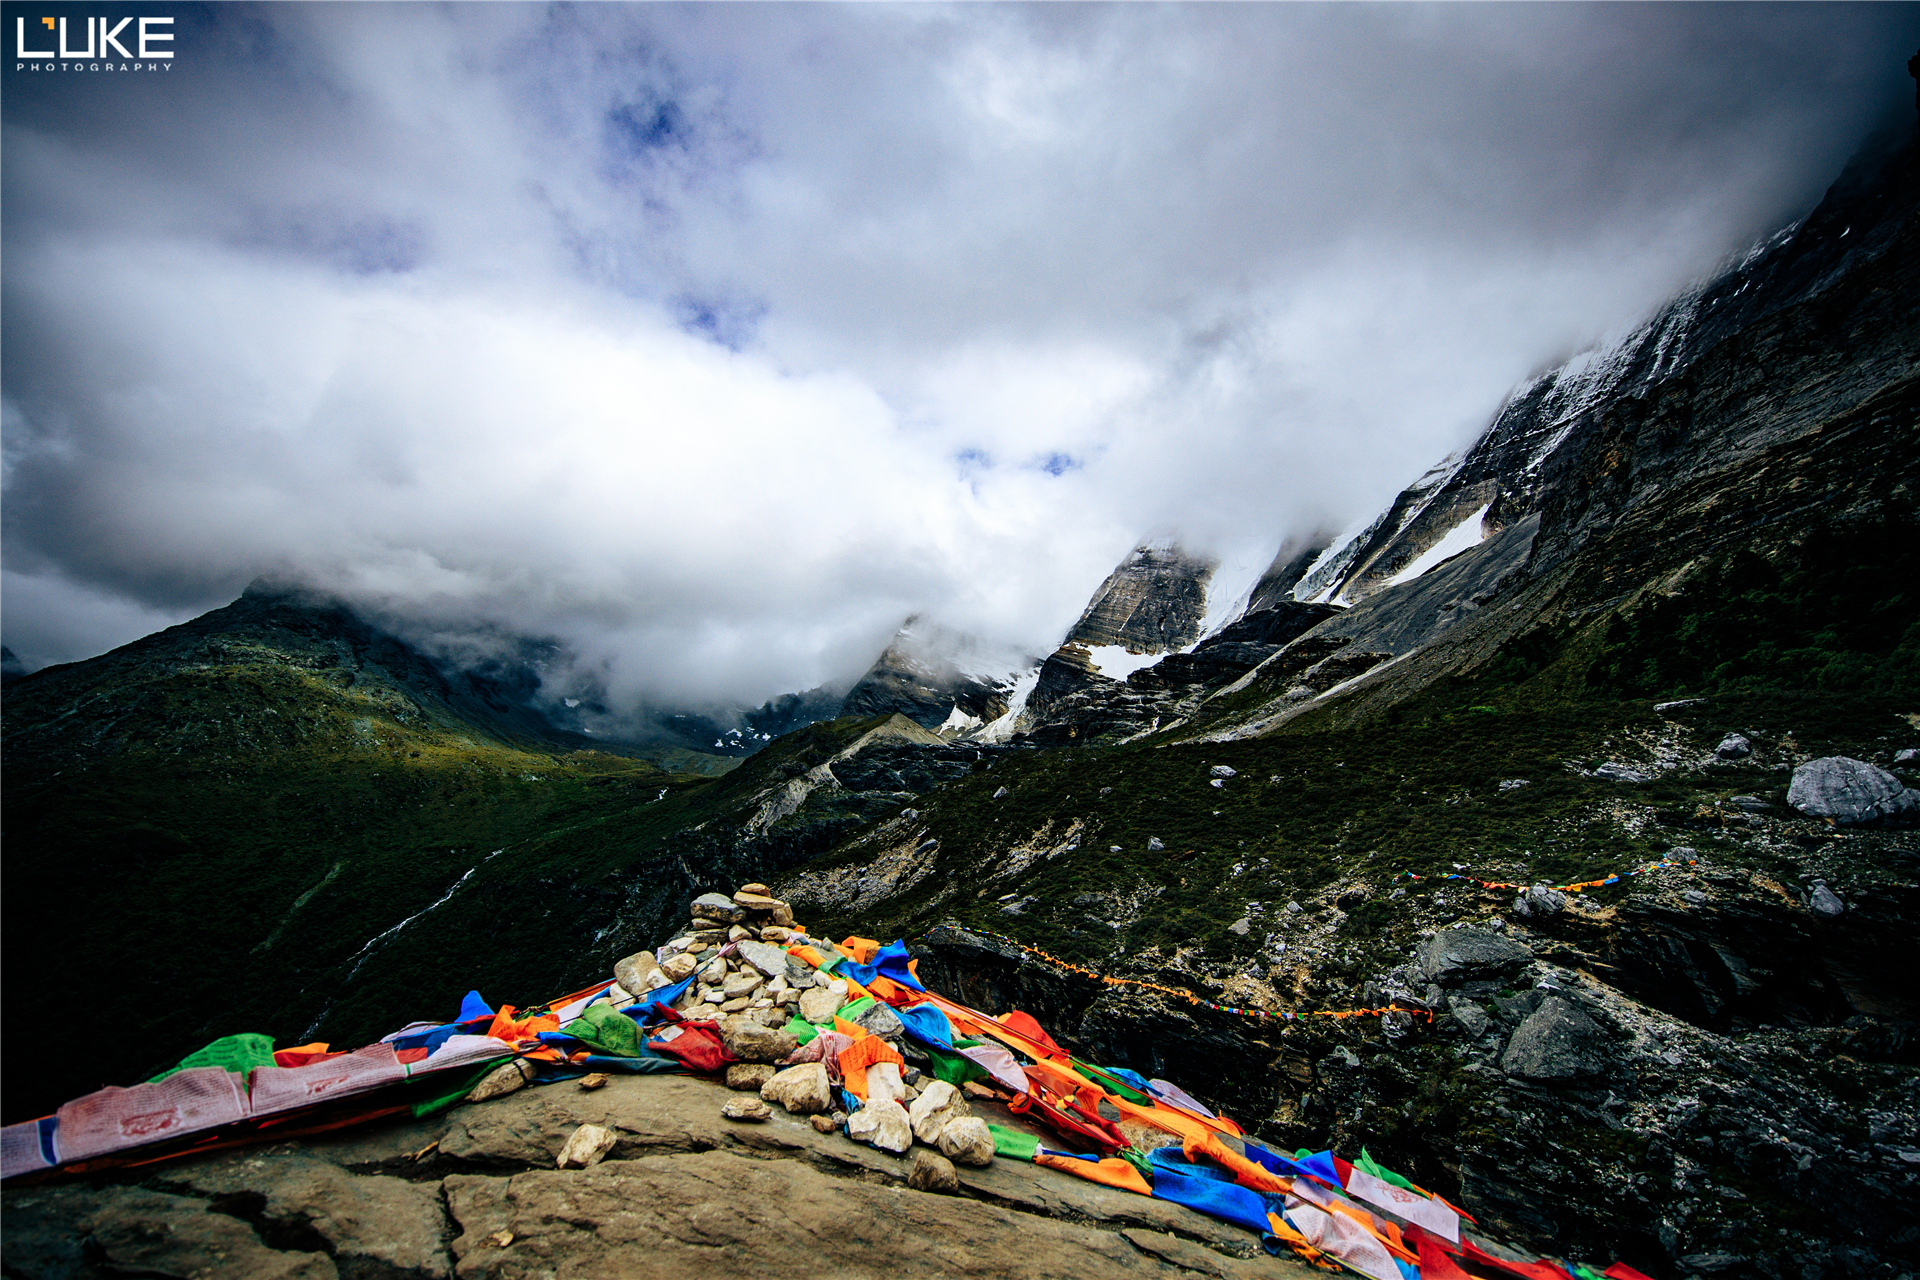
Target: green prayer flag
x,y
239,1054
800,1029
607,1029
956,1069
1013,1144
455,1085
1138,1159
1381,1172
1111,1083
857,1008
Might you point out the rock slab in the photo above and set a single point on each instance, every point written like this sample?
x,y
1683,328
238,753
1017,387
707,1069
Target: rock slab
x,y
1557,1042
1452,957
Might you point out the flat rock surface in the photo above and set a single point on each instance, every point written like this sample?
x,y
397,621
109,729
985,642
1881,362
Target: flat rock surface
x,y
683,1192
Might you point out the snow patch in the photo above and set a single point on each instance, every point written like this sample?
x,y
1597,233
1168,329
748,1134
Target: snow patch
x,y
1007,725
1317,584
1462,536
1115,662
1230,588
957,721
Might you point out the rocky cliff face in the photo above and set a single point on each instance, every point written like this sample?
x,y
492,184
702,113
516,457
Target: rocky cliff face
x,y
1830,289
1153,602
936,676
1769,405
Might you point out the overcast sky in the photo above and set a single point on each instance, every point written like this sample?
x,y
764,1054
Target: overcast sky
x,y
717,339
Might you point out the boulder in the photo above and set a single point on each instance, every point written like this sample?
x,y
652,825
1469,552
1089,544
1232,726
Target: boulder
x,y
747,1108
938,1105
1681,704
1540,901
881,1124
825,1123
750,1077
933,1173
752,1042
714,906
967,1140
1614,771
502,1080
756,887
770,960
586,1147
1223,771
1824,902
881,1021
633,971
1472,1018
741,984
819,1005
884,1083
757,901
1557,1042
1734,747
679,968
1851,793
1452,957
803,1090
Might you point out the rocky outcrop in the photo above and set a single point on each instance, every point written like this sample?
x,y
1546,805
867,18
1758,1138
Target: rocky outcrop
x,y
936,676
475,1193
1154,601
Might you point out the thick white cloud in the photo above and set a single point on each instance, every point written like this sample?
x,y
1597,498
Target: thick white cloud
x,y
715,340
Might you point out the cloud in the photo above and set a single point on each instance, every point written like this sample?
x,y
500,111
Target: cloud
x,y
715,340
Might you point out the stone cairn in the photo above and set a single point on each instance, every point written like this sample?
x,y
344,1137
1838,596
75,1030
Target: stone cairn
x,y
735,948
